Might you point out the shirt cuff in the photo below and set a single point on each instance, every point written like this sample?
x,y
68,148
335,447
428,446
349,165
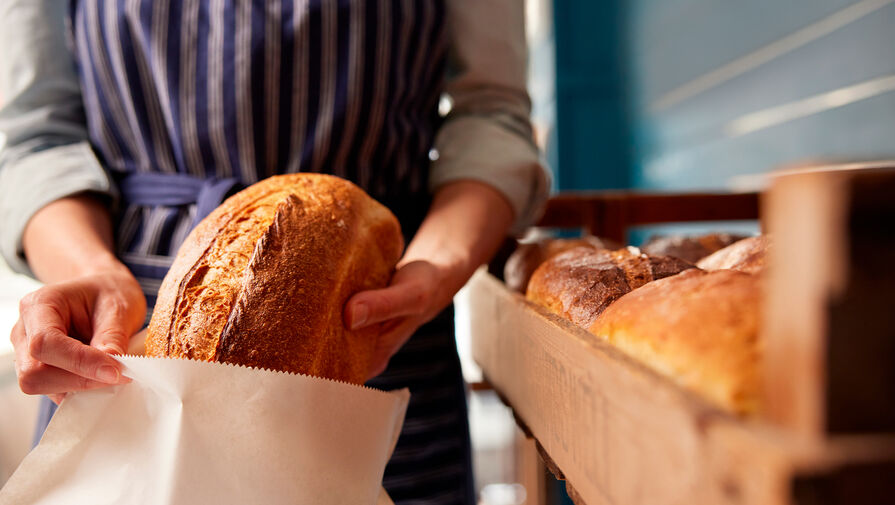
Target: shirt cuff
x,y
480,149
29,183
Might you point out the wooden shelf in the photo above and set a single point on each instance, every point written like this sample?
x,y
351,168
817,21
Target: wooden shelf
x,y
610,214
620,433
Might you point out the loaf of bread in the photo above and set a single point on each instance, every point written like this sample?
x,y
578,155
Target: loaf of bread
x,y
262,281
698,328
747,255
687,248
528,257
580,283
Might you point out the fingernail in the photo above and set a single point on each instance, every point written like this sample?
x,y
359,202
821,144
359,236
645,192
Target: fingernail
x,y
361,312
108,374
111,349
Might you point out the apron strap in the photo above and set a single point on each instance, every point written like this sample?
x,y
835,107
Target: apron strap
x,y
155,188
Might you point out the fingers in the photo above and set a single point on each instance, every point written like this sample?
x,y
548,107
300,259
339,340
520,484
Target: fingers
x,y
110,326
371,307
45,341
388,344
409,294
39,378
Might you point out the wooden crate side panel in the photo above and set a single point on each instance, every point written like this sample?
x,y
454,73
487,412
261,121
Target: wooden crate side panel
x,y
621,434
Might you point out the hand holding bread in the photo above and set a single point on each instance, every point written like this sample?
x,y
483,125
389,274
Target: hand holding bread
x,y
262,281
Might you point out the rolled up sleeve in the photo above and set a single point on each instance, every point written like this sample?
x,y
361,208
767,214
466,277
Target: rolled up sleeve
x,y
45,154
487,136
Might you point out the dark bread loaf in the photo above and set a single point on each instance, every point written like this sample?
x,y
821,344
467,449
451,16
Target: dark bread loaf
x,y
580,283
529,256
262,281
698,328
691,249
747,255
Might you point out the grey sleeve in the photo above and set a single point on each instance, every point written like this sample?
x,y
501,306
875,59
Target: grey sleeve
x,y
487,136
45,154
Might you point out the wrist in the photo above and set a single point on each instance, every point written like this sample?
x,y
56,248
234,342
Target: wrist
x,y
68,238
103,263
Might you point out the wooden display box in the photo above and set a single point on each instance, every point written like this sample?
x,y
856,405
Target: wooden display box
x,y
620,433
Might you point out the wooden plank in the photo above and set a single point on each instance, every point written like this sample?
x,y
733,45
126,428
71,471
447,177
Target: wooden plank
x,y
609,214
619,433
529,469
829,325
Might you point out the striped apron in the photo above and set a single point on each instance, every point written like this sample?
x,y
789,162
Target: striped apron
x,y
189,100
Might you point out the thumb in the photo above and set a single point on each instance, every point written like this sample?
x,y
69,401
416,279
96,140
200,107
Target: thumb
x,y
113,324
409,294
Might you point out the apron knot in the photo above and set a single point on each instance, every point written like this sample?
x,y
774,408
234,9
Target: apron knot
x,y
177,189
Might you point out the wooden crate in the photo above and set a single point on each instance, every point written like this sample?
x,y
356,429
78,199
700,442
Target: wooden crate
x,y
622,434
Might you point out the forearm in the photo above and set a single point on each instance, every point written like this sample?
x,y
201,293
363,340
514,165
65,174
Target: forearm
x,y
465,225
70,238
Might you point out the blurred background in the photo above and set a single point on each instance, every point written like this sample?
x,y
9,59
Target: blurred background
x,y
651,95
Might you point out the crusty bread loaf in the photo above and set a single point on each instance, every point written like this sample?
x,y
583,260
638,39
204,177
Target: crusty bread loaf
x,y
528,257
687,248
698,328
580,283
747,255
262,281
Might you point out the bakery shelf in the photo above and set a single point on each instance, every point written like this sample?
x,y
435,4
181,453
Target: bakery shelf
x,y
620,433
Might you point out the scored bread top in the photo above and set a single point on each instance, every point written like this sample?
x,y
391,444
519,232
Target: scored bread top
x,y
263,280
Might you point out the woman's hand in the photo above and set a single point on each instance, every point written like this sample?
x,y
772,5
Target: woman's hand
x,y
67,331
464,227
419,290
88,309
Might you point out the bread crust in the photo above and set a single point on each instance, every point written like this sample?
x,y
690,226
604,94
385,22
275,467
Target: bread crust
x,y
262,281
581,283
691,249
698,328
529,256
748,255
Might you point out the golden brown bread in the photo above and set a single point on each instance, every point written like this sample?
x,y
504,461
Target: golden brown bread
x,y
263,279
580,283
747,255
691,249
698,328
529,256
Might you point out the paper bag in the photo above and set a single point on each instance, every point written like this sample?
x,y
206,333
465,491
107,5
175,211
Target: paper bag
x,y
194,432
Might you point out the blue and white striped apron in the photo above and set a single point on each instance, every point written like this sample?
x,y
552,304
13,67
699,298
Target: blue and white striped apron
x,y
189,100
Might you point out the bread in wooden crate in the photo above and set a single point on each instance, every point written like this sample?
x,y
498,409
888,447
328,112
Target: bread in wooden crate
x,y
580,283
528,257
690,248
698,328
747,255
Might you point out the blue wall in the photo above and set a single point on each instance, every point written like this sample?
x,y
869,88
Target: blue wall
x,y
591,147
677,94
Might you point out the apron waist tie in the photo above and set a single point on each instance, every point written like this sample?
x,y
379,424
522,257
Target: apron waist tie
x,y
155,188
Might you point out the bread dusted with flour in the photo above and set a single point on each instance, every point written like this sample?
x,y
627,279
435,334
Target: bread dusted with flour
x,y
687,248
263,280
580,283
528,257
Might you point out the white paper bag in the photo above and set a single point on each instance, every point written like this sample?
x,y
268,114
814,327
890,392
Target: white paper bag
x,y
189,432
